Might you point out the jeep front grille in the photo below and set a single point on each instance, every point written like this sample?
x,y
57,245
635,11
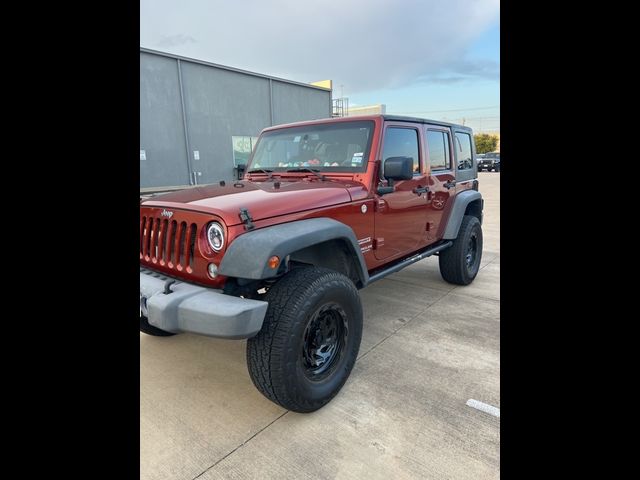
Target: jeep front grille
x,y
169,243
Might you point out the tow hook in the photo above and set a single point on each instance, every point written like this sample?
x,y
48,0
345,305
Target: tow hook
x,y
167,286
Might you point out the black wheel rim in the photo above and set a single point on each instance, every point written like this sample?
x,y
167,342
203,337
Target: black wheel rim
x,y
324,340
472,252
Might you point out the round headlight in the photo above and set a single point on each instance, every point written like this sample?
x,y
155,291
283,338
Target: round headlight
x,y
215,235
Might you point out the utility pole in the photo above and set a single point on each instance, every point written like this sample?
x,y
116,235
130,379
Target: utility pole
x,y
463,120
341,91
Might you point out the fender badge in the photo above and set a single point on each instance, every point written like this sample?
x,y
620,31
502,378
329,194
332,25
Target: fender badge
x,y
363,208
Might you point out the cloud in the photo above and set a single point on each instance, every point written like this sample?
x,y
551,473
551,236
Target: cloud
x,y
464,70
362,44
174,40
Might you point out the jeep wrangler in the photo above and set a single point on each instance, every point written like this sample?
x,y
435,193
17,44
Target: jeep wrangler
x,y
324,209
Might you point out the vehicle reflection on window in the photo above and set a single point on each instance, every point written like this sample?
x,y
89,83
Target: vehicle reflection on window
x,y
463,147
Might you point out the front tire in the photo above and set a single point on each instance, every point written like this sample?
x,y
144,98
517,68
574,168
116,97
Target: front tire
x,y
309,339
459,264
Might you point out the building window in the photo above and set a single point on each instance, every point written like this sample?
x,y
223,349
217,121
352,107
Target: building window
x,y
438,144
242,148
402,142
463,141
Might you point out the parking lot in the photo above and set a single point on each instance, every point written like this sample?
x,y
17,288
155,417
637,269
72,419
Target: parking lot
x,y
427,348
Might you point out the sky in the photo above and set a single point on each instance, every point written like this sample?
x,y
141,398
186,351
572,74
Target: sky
x,y
436,59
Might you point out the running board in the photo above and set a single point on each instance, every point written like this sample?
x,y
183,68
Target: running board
x,y
405,263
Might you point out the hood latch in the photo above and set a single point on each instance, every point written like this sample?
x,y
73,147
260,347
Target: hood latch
x,y
245,217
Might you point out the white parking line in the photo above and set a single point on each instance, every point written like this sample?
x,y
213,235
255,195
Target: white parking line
x,y
484,407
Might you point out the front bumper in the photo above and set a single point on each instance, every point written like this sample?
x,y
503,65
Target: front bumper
x,y
195,309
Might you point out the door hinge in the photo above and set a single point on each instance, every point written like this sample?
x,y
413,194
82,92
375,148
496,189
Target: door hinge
x,y
380,205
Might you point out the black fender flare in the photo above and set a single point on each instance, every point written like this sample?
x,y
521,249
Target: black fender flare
x,y
247,256
460,203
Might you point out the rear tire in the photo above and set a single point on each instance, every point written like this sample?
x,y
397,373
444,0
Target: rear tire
x,y
309,340
459,264
145,327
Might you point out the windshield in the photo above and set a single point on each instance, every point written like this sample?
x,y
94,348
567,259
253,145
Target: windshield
x,y
335,147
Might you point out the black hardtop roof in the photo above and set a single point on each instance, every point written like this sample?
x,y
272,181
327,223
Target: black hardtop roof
x,y
355,118
400,118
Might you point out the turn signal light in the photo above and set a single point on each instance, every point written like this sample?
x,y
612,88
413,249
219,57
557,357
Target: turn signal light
x,y
273,262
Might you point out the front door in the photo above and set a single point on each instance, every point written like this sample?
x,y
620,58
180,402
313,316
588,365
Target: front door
x,y
400,217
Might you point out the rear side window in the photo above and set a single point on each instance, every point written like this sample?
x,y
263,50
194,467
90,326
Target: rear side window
x,y
463,150
438,144
402,142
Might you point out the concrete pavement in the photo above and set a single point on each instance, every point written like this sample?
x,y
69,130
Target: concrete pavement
x,y
427,348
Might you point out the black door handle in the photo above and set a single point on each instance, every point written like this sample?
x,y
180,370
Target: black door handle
x,y
450,184
420,190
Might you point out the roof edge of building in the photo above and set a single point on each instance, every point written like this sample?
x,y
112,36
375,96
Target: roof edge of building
x,y
232,69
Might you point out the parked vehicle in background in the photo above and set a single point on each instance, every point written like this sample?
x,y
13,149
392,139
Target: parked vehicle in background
x,y
489,161
325,208
479,157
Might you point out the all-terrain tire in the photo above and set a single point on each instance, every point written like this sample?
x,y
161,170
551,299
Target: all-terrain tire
x,y
145,327
301,305
459,264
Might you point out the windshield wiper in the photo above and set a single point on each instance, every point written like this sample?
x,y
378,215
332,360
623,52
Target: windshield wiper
x,y
305,169
258,170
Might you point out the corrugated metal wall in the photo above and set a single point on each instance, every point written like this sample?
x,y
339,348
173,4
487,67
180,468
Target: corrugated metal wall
x,y
188,106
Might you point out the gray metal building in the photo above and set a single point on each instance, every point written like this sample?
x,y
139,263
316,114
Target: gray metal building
x,y
199,120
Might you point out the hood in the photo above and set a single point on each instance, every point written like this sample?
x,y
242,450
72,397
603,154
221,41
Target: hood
x,y
260,198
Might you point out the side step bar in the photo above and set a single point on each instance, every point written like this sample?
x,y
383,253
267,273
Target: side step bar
x,y
405,263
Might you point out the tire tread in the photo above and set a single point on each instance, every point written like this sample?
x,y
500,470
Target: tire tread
x,y
266,351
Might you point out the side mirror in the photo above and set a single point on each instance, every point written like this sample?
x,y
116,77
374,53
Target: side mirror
x,y
398,168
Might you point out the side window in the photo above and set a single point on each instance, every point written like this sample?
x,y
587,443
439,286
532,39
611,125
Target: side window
x,y
402,142
242,147
463,150
438,144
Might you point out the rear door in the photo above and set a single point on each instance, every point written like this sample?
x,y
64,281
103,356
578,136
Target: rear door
x,y
400,216
442,179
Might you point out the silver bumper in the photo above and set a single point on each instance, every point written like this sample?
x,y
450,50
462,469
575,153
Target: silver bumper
x,y
205,311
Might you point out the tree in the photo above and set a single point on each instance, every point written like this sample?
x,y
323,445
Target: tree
x,y
485,143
